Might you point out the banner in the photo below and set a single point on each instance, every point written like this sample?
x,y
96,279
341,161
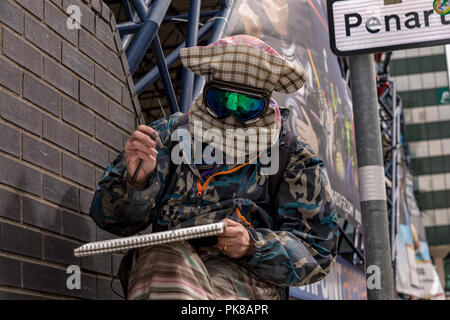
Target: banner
x,y
345,282
321,111
415,274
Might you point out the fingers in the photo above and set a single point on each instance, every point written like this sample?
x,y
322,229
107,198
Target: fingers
x,y
231,232
141,154
235,240
230,222
147,130
230,242
142,138
141,145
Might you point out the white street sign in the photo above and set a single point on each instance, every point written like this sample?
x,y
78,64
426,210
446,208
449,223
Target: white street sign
x,y
369,26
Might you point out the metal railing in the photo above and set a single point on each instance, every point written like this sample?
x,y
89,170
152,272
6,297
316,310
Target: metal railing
x,y
140,33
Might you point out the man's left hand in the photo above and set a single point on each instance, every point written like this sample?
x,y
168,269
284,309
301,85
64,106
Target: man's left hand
x,y
235,241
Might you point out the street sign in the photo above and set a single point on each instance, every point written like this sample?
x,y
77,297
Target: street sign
x,y
370,26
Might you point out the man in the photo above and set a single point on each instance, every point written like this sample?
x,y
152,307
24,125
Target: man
x,y
281,229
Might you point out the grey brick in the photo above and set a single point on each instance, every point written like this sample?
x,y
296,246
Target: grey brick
x,y
98,175
108,134
121,117
93,151
21,52
104,33
78,227
17,112
78,116
57,20
59,250
10,76
34,6
126,99
77,63
115,66
42,37
93,99
20,176
85,200
112,155
42,278
41,215
21,241
113,22
10,141
10,272
87,16
57,2
106,12
96,5
78,171
108,84
6,295
130,83
41,154
9,205
93,48
60,192
119,44
137,104
60,78
60,134
11,16
41,95
97,263
124,60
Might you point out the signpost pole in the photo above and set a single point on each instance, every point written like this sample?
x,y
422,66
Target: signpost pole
x,y
371,178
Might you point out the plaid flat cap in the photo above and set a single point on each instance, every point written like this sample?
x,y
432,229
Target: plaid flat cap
x,y
245,60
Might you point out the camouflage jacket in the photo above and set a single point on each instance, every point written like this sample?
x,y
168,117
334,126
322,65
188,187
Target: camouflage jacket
x,y
295,234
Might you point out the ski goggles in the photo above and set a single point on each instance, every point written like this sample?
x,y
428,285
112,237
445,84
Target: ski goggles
x,y
246,104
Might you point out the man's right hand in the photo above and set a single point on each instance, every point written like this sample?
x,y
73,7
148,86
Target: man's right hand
x,y
140,146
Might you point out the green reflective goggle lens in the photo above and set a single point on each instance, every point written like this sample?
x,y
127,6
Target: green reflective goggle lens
x,y
244,106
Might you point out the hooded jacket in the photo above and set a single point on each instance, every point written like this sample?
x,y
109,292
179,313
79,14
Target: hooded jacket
x,y
295,233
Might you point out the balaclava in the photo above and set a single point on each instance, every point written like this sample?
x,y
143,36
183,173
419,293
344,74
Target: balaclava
x,y
247,60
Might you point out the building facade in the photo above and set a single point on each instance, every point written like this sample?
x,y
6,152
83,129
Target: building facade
x,y
422,81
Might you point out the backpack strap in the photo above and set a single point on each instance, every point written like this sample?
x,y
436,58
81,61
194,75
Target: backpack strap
x,y
286,144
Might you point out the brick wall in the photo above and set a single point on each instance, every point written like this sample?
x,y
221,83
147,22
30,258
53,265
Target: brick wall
x,y
66,109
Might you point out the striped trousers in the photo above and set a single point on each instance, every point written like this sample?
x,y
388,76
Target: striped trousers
x,y
179,271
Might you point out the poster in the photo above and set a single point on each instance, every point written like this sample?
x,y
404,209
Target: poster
x,y
345,282
416,276
321,111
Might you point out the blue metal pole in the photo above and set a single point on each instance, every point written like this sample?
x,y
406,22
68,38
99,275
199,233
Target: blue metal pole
x,y
147,32
204,14
126,40
191,40
128,27
141,9
127,9
151,76
221,22
133,27
165,76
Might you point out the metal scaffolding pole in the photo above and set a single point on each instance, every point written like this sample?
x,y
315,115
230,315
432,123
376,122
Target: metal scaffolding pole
x,y
371,178
191,40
